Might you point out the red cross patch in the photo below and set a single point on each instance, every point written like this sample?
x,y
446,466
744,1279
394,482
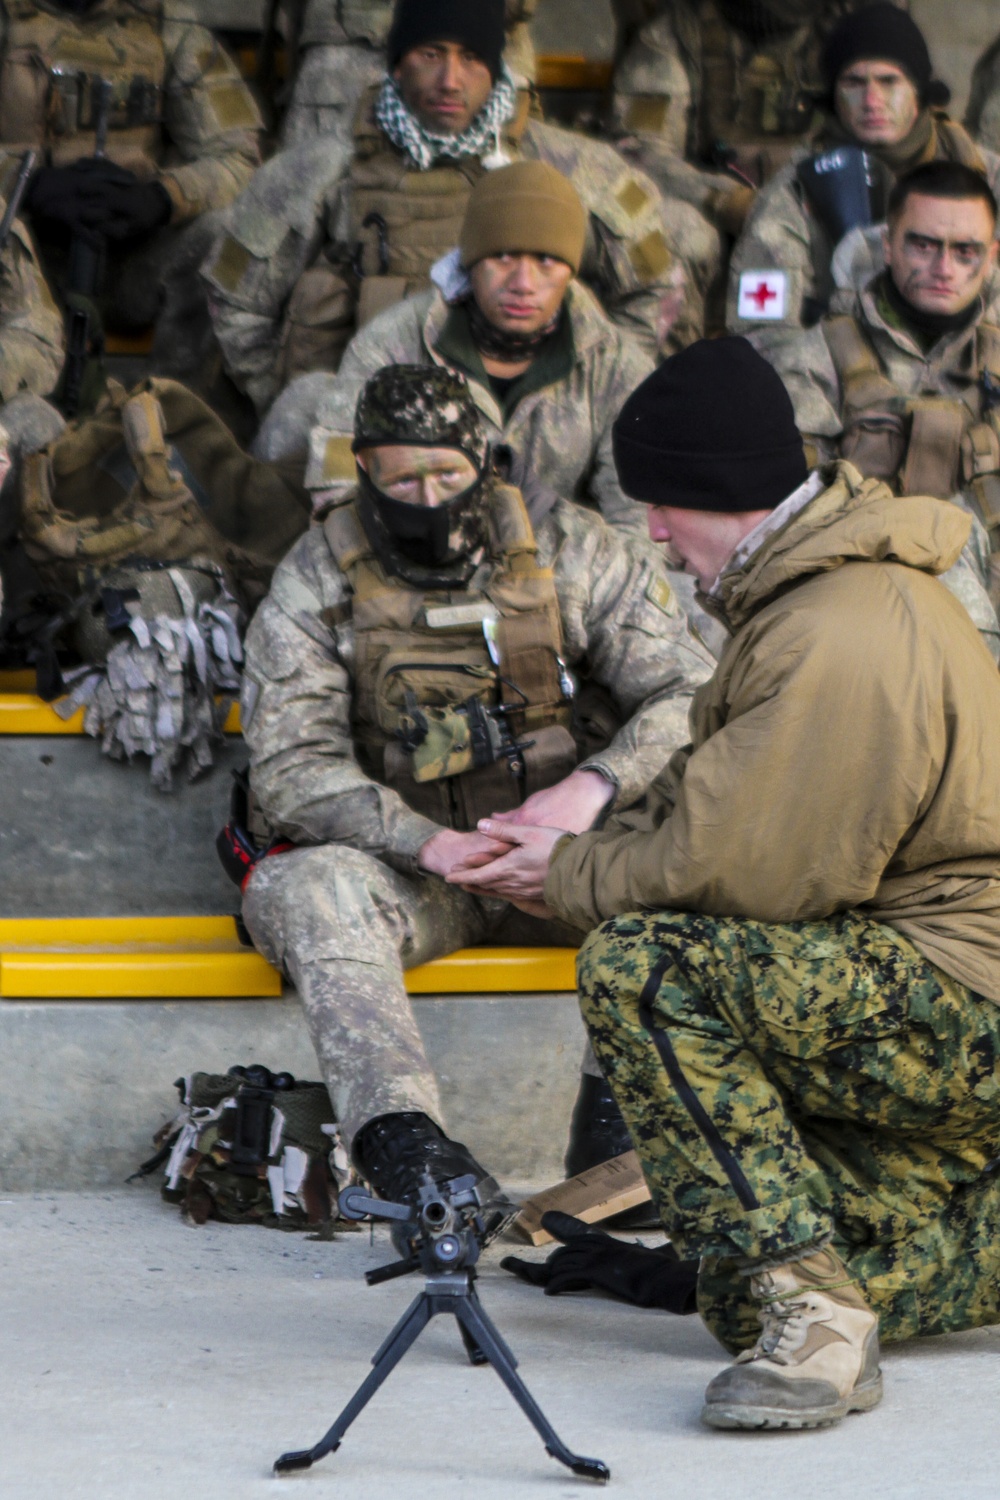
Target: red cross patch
x,y
763,295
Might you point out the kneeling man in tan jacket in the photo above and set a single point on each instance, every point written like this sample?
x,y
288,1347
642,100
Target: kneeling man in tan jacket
x,y
794,982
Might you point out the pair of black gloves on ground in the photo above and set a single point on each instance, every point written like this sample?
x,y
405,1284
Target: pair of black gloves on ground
x,y
589,1260
96,198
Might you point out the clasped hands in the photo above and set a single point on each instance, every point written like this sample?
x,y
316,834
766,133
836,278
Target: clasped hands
x,y
508,857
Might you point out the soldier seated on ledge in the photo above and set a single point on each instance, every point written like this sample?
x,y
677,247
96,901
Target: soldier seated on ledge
x,y
428,656
883,100
145,133
905,383
324,239
546,366
794,982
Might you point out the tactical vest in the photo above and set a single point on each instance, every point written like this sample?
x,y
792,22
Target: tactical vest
x,y
402,221
126,485
755,95
921,445
51,64
428,658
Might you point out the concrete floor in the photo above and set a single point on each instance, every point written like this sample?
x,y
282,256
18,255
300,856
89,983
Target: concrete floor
x,y
145,1360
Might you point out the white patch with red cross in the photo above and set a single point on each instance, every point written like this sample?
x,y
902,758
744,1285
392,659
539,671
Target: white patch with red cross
x,y
763,295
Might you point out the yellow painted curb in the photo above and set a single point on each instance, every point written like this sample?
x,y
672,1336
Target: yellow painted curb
x,y
113,958
24,713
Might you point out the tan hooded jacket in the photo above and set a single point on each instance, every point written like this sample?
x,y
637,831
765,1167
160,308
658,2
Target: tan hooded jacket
x,y
844,755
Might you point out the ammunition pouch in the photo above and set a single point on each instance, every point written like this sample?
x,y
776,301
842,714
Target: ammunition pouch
x,y
52,64
318,324
934,449
875,443
135,102
930,445
252,1147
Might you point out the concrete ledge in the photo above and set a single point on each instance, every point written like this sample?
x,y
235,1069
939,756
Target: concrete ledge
x,y
88,1082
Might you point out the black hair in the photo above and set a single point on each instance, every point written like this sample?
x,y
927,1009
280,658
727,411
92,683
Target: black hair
x,y
941,179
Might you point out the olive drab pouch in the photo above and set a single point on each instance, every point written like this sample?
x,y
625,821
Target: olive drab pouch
x,y
252,1147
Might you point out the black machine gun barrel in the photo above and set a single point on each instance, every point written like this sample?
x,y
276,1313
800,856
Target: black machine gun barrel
x,y
443,1230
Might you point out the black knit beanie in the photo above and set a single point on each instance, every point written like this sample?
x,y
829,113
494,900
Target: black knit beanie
x,y
477,24
711,429
883,33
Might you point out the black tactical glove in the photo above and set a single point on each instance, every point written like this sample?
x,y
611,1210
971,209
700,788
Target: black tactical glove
x,y
96,197
590,1259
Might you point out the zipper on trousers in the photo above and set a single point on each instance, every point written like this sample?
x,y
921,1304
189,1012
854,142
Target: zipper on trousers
x,y
702,1119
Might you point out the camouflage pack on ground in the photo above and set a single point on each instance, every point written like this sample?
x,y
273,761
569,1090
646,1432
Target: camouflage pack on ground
x,y
253,1147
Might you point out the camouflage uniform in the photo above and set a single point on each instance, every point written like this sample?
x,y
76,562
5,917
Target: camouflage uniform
x,y
785,1083
343,918
31,331
181,114
31,356
783,235
794,984
692,86
343,54
870,427
296,217
561,431
982,118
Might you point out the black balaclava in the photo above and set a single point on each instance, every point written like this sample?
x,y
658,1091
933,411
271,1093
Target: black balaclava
x,y
426,407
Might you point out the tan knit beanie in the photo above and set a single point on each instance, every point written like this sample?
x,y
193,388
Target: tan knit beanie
x,y
525,209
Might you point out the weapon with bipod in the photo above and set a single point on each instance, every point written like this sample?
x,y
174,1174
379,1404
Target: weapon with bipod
x,y
442,1231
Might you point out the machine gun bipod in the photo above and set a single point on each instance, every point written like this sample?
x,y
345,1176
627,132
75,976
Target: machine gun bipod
x,y
442,1231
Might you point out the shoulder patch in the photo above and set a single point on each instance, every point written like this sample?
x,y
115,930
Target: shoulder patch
x,y
646,112
660,593
233,106
231,264
763,295
339,461
650,256
633,197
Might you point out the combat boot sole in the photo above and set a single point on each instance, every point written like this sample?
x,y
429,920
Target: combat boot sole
x,y
827,1407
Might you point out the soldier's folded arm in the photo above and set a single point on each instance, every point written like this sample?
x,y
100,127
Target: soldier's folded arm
x,y
212,122
272,233
32,341
733,840
297,724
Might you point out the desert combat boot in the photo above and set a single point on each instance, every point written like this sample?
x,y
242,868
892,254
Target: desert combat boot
x,y
816,1359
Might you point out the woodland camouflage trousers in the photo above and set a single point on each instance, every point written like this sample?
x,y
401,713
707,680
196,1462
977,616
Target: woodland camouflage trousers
x,y
785,1083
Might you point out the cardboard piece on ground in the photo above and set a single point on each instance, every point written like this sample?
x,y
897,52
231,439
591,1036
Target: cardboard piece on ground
x,y
609,1188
